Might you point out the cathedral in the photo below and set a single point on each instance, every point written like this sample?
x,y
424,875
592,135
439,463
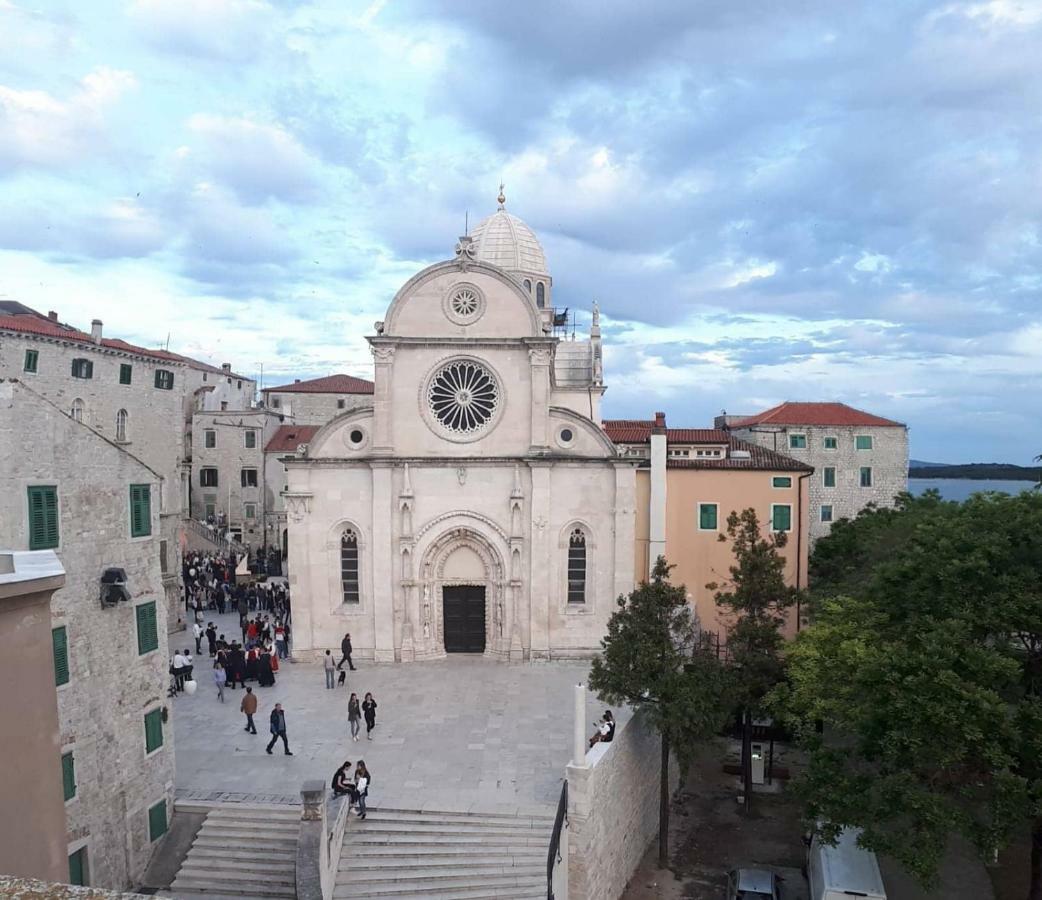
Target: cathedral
x,y
474,504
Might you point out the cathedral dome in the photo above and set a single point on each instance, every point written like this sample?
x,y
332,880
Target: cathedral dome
x,y
505,241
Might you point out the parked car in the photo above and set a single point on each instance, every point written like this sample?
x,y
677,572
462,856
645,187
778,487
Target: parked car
x,y
753,884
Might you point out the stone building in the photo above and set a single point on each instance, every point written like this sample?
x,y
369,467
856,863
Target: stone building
x,y
317,401
858,458
78,492
287,442
228,469
473,503
689,481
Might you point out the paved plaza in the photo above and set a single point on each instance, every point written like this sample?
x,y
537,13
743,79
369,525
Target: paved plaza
x,y
463,733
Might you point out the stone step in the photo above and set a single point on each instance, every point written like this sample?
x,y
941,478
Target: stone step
x,y
229,826
216,853
404,815
244,810
473,893
476,874
396,859
258,889
493,886
256,813
409,838
238,867
392,827
233,843
221,875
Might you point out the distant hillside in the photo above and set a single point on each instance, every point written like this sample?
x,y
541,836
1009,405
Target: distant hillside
x,y
923,464
978,471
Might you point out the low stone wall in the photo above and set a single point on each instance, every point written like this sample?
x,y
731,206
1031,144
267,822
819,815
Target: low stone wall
x,y
319,841
613,810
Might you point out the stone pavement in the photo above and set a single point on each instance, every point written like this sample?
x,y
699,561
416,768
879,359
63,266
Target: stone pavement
x,y
464,733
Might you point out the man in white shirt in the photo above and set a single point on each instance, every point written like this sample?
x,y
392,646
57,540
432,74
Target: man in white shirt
x,y
197,630
178,666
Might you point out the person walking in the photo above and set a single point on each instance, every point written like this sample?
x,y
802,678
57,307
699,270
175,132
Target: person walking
x,y
211,638
330,667
177,669
369,711
278,730
362,781
345,648
354,715
220,677
280,641
197,630
249,707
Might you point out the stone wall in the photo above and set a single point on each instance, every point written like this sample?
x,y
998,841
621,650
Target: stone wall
x,y
613,810
102,707
307,408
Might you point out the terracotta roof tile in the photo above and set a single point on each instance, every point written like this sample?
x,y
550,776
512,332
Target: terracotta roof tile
x,y
790,413
330,384
287,438
638,431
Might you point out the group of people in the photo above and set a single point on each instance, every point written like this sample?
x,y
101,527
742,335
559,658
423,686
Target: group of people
x,y
605,732
356,790
181,665
234,664
210,584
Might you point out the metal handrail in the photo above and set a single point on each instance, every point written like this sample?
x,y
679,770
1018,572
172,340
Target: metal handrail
x,y
553,856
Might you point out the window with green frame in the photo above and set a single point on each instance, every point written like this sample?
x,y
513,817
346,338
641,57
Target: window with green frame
x,y
68,776
153,730
707,516
831,443
157,821
781,517
828,476
140,510
126,373
863,442
147,631
866,476
60,644
78,867
32,360
826,513
781,481
797,442
43,516
164,380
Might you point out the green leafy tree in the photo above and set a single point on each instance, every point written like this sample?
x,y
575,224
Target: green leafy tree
x,y
755,601
651,659
924,663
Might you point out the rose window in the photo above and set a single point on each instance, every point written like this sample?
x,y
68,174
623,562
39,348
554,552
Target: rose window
x,y
465,302
463,396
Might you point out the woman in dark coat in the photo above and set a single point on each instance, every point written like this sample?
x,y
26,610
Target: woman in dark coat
x,y
369,711
252,665
265,677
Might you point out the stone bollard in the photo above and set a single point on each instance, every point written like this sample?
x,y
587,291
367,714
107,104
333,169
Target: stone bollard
x,y
311,843
579,736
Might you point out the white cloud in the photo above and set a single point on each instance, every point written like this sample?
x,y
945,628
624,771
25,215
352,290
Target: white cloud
x,y
39,129
232,30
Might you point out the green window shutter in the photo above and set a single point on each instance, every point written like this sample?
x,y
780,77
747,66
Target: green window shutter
x,y
829,476
147,631
31,359
43,517
798,441
68,776
126,372
153,730
782,518
707,516
157,821
781,481
866,476
78,867
826,513
863,442
60,643
831,443
140,510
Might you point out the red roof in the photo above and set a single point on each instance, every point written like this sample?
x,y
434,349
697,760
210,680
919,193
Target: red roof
x,y
287,438
330,384
790,413
638,431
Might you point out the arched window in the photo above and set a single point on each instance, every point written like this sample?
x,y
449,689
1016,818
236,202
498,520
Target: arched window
x,y
577,567
540,295
528,286
77,410
349,566
121,425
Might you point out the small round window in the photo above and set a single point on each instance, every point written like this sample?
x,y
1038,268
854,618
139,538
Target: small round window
x,y
464,304
565,437
355,438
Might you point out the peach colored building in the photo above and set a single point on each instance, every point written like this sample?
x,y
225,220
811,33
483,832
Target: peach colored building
x,y
689,481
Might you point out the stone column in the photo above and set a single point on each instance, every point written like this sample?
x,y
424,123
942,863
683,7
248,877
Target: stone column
x,y
383,364
311,840
579,731
383,564
541,569
540,359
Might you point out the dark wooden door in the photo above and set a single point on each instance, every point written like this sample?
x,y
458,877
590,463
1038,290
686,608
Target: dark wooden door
x,y
464,618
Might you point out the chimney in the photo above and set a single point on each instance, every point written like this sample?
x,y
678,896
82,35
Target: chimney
x,y
53,316
95,331
296,381
657,499
227,367
660,423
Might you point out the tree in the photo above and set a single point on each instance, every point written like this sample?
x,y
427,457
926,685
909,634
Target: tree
x,y
926,671
755,601
651,659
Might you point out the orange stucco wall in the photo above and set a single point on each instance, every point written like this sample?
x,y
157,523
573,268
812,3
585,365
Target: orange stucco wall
x,y
700,557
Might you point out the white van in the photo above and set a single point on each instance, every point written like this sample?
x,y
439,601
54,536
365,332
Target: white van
x,y
844,871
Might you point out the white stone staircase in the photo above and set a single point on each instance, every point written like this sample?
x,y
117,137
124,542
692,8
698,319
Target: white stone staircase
x,y
399,853
242,852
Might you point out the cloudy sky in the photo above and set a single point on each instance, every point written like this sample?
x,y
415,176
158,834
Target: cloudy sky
x,y
770,201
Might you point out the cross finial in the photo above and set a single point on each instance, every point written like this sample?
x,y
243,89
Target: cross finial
x,y
502,197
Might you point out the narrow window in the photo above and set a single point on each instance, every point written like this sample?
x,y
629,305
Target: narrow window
x,y
164,380
32,360
121,425
43,517
577,566
78,867
68,776
826,513
797,442
60,643
209,438
224,405
77,410
528,285
153,730
863,442
147,631
238,385
866,476
126,372
250,510
707,517
781,481
276,402
828,476
156,821
781,517
540,295
140,510
164,563
250,439
248,477
831,443
340,403
349,566
82,368
210,508
207,478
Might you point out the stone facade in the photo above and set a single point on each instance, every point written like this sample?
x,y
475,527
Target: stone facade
x,y
613,810
110,687
312,407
